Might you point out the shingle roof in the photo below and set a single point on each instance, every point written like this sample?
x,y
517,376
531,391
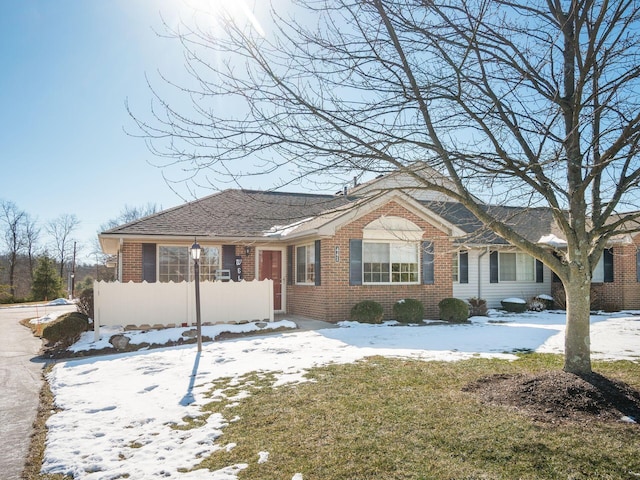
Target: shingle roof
x,y
532,223
252,213
241,213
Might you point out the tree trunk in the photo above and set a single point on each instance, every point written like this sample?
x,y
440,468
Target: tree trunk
x,y
577,346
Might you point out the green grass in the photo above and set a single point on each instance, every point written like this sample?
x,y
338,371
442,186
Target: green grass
x,y
397,419
389,419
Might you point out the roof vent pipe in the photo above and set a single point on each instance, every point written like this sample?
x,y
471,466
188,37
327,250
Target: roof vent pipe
x,y
344,191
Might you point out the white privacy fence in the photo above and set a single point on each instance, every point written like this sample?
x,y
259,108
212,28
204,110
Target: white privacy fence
x,y
169,304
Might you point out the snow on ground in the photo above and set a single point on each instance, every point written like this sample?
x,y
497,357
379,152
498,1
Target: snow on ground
x,y
117,410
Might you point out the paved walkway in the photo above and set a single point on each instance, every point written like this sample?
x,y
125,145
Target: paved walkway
x,y
21,381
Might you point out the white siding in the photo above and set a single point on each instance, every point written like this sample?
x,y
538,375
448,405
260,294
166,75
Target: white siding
x,y
493,293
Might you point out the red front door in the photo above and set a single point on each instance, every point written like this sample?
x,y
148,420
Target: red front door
x,y
270,268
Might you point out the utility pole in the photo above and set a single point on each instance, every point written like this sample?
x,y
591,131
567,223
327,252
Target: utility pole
x,y
73,272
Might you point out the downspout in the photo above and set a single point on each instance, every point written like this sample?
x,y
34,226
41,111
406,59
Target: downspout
x,y
120,260
480,272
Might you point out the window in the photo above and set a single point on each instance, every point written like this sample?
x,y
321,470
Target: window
x,y
176,265
305,264
389,262
516,267
460,266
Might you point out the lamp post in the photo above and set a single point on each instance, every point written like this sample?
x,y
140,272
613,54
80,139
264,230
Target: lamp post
x,y
195,254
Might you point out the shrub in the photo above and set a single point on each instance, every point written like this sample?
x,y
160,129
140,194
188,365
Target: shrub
x,y
454,310
85,302
537,305
66,329
477,307
367,311
515,305
408,310
540,303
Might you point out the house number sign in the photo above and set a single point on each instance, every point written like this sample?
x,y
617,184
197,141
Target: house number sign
x,y
239,267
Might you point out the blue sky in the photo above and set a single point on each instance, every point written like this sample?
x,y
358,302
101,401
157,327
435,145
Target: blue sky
x,y
67,68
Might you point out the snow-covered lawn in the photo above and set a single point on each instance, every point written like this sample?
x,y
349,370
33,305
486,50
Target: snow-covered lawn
x,y
117,410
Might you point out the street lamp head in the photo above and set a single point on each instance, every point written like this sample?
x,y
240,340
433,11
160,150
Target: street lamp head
x,y
195,251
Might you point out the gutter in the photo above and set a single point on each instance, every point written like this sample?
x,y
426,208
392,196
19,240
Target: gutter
x,y
480,271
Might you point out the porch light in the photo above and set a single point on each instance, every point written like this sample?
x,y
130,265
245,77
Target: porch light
x,y
247,251
195,251
195,254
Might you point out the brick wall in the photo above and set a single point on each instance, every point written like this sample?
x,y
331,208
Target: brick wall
x,y
333,300
131,262
624,292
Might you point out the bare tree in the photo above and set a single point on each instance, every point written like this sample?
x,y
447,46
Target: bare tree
x,y
31,237
527,101
14,221
129,214
60,231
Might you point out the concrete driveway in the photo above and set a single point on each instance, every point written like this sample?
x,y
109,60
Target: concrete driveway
x,y
20,381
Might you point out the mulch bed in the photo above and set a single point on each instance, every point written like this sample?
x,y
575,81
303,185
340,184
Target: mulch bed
x,y
558,396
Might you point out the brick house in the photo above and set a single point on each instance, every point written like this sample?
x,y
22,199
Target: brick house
x,y
325,253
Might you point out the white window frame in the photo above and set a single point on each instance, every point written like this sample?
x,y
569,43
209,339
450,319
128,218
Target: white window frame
x,y
391,263
520,257
308,262
455,267
208,267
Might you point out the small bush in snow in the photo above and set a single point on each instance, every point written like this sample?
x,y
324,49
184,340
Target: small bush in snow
x,y
408,310
367,311
454,310
515,305
537,305
540,303
66,329
85,302
477,307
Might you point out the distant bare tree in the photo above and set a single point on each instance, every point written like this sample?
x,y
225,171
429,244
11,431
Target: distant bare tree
x,y
527,101
31,236
129,214
14,222
60,231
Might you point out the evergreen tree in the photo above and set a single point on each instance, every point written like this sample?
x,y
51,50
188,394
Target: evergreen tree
x,y
47,284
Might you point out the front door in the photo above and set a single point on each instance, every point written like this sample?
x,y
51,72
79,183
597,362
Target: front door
x,y
270,268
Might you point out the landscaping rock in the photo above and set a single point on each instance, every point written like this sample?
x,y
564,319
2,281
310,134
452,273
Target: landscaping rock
x,y
193,333
119,341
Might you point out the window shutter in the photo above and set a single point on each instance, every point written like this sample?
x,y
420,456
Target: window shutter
x,y
464,267
355,262
539,271
149,262
290,265
229,260
493,267
427,263
608,265
317,261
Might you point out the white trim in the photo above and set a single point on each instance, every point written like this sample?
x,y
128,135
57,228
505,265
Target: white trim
x,y
311,246
283,272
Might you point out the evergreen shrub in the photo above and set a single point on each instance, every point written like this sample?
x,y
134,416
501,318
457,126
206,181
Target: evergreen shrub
x,y
454,310
367,311
408,310
515,305
66,330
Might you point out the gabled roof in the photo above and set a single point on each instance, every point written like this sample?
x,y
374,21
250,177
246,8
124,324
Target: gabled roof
x,y
253,215
231,213
530,222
